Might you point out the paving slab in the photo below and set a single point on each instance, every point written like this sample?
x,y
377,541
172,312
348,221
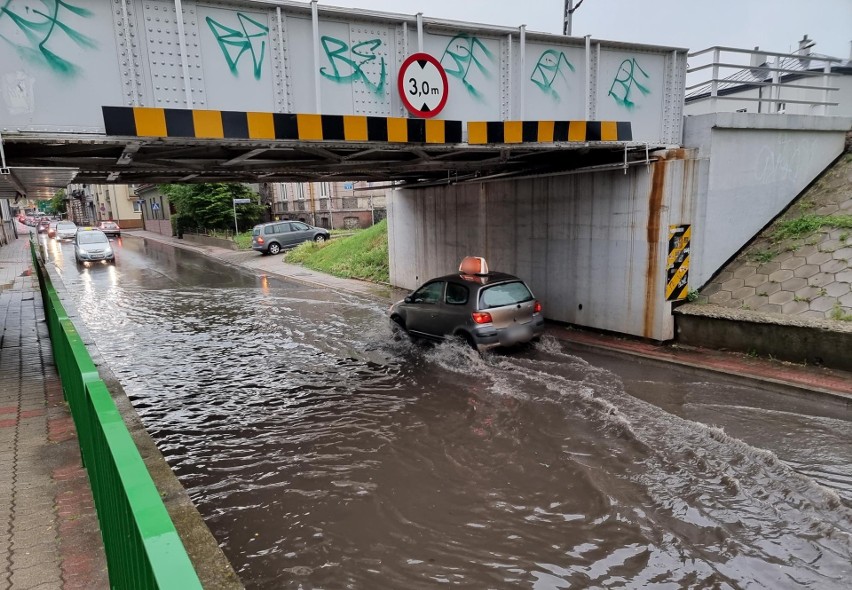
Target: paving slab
x,y
34,551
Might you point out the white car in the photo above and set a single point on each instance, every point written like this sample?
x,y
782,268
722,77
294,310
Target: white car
x,y
92,245
66,230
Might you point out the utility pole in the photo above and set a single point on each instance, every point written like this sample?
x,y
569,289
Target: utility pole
x,y
569,14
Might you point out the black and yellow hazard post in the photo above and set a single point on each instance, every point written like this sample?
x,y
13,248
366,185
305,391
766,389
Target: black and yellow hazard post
x,y
677,269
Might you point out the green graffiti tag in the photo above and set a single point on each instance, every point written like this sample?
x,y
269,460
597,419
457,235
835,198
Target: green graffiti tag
x,y
41,24
348,70
550,65
250,37
625,80
463,52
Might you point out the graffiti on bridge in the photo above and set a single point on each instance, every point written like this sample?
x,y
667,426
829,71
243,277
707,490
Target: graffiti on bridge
x,y
249,37
463,52
625,80
42,24
550,65
347,64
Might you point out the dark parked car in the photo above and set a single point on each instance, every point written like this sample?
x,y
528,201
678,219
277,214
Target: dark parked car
x,y
271,238
486,309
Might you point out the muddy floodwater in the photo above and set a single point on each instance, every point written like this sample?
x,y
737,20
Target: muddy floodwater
x,y
324,455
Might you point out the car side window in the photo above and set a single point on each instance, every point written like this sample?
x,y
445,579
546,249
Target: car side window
x,y
269,229
299,226
282,228
430,293
456,294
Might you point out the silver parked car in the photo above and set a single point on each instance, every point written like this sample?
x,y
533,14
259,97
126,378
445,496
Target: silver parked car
x,y
92,245
271,238
486,309
65,230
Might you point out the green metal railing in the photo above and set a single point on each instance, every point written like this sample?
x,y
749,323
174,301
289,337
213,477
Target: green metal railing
x,y
143,549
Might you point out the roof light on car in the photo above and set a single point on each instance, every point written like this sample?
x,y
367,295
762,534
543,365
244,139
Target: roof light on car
x,y
482,317
473,265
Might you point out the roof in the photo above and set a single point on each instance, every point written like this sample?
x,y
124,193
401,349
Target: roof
x,y
484,279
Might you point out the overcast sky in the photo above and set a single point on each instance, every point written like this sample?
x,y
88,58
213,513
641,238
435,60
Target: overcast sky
x,y
773,25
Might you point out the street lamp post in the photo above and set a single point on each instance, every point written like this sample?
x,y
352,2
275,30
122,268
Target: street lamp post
x,y
238,202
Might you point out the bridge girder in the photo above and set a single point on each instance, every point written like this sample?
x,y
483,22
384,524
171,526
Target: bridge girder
x,y
52,165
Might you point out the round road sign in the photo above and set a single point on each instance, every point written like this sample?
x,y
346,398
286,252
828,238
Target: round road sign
x,y
423,85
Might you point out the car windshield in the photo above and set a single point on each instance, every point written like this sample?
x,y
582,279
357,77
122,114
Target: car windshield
x,y
504,294
91,237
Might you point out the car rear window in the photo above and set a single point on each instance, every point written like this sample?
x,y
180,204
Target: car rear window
x,y
66,225
504,294
255,231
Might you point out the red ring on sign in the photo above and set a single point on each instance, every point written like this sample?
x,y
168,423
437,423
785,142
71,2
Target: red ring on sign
x,y
400,85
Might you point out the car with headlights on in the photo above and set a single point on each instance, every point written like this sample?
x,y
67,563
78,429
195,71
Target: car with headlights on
x,y
66,230
92,245
485,309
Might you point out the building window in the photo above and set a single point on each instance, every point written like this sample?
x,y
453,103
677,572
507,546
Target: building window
x,y
137,206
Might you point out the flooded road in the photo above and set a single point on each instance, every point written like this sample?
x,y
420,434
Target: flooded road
x,y
323,455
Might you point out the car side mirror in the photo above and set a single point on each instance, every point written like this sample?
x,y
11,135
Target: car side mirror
x,y
409,299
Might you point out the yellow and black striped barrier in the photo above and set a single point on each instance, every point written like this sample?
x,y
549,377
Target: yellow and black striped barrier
x,y
677,268
484,132
204,124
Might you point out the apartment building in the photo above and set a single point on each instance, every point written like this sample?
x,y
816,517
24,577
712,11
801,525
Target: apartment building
x,y
331,205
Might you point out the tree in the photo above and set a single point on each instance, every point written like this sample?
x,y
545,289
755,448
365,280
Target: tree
x,y
57,205
210,206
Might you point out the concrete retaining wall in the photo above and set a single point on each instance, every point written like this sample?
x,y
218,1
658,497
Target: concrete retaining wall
x,y
751,168
806,342
210,241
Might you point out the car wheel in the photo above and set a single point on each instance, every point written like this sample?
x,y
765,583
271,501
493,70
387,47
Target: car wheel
x,y
468,339
274,248
398,330
320,238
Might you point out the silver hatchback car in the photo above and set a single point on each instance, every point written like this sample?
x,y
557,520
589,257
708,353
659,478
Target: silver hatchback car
x,y
91,245
486,309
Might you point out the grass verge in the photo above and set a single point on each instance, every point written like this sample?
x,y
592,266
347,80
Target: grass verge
x,y
363,255
807,224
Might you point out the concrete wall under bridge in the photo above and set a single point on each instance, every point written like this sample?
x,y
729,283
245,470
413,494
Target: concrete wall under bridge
x,y
752,166
592,246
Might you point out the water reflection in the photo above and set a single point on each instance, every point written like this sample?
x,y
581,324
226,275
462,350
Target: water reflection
x,y
321,454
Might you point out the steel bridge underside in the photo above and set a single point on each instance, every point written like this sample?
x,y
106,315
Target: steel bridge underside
x,y
40,165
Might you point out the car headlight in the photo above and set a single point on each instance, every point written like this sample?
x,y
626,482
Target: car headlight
x,y
108,251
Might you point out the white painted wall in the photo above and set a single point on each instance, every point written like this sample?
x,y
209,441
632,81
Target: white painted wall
x,y
752,167
592,246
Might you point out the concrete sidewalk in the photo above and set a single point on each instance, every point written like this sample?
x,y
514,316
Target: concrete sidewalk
x,y
50,536
805,378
